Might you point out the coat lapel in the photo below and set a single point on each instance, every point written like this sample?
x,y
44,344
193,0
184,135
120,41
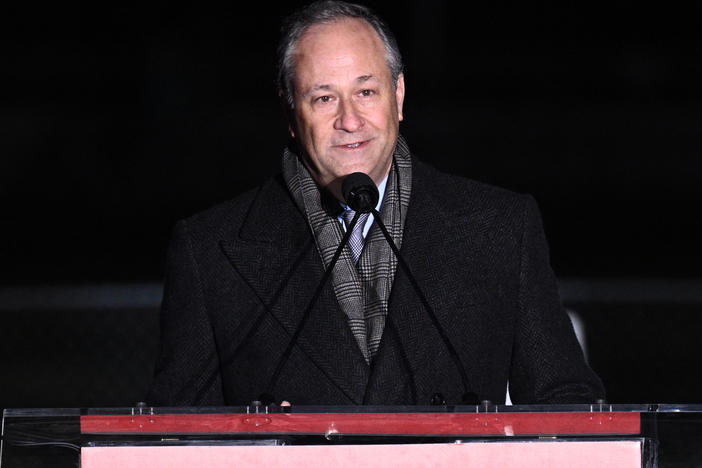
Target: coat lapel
x,y
275,255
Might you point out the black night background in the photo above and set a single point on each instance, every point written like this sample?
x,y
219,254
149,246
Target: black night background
x,y
119,119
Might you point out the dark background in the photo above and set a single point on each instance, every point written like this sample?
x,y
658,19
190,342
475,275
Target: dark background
x,y
117,120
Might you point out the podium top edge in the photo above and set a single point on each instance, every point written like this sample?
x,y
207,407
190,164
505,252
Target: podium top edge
x,y
656,408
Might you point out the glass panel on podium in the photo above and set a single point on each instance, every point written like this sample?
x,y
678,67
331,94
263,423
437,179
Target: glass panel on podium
x,y
487,435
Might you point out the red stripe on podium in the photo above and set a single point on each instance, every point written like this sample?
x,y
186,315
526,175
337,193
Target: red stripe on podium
x,y
469,424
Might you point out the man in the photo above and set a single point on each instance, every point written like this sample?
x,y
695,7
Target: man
x,y
241,275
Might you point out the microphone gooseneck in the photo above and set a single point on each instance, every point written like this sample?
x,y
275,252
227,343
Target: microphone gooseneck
x,y
305,315
468,397
359,192
361,195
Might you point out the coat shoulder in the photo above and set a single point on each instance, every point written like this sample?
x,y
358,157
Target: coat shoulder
x,y
458,193
229,216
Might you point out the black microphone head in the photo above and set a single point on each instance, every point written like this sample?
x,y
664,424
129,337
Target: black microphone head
x,y
360,192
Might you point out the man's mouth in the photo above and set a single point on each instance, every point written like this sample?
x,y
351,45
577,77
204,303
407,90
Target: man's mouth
x,y
354,145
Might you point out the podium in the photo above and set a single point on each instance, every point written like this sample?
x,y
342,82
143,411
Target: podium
x,y
599,435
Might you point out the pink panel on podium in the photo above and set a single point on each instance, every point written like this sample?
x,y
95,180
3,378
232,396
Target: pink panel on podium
x,y
539,454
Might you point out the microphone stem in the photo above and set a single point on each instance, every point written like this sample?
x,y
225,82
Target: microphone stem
x,y
425,303
327,273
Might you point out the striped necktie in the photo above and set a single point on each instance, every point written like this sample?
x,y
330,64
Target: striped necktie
x,y
356,239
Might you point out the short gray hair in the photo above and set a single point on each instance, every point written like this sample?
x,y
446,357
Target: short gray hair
x,y
324,12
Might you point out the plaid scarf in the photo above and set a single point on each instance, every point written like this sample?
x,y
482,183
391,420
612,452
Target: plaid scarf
x,y
363,289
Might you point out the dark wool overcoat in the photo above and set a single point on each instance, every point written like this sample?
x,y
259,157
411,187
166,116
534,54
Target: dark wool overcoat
x,y
240,275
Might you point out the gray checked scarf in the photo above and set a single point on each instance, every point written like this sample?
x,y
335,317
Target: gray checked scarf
x,y
362,289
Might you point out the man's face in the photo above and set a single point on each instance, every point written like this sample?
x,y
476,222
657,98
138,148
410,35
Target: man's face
x,y
347,111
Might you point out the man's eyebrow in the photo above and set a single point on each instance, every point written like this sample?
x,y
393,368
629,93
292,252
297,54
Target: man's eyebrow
x,y
327,87
315,88
364,78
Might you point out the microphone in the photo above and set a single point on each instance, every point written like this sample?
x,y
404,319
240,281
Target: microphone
x,y
360,192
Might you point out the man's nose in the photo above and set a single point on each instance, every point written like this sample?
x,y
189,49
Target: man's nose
x,y
349,119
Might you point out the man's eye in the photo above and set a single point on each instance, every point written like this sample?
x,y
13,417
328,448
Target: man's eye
x,y
367,92
323,99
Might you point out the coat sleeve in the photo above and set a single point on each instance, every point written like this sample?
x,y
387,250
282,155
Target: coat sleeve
x,y
187,370
548,365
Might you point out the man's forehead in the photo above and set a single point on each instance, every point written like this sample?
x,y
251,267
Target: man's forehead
x,y
328,39
348,49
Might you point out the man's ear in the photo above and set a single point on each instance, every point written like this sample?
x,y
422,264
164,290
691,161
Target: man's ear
x,y
283,98
400,95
